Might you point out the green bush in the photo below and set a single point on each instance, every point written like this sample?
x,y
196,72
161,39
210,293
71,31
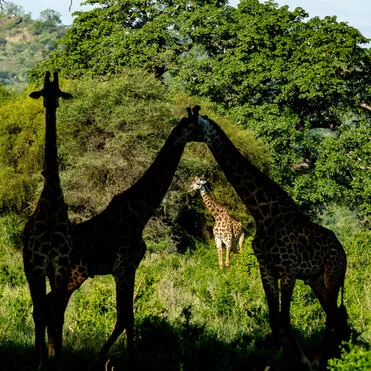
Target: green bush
x,y
188,312
5,94
10,228
11,267
108,135
93,307
356,358
16,313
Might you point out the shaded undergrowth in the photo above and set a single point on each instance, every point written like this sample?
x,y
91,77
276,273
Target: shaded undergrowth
x,y
189,314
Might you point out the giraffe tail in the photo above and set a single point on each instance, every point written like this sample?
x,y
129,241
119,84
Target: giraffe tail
x,y
342,296
342,318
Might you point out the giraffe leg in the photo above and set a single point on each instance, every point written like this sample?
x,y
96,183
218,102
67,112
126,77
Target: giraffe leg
x,y
37,287
228,247
287,288
241,240
219,249
336,318
124,306
57,301
271,292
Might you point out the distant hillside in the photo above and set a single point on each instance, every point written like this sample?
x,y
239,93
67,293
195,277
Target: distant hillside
x,y
24,41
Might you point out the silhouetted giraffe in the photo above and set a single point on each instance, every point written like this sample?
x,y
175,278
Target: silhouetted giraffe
x,y
112,242
226,230
287,244
46,237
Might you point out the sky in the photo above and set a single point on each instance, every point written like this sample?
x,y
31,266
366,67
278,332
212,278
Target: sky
x,y
357,13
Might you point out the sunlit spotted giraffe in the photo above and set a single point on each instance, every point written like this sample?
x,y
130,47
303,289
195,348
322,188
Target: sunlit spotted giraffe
x,y
47,237
112,241
226,230
287,244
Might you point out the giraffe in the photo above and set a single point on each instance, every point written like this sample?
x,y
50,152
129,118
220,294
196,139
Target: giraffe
x,y
226,230
111,242
46,237
287,244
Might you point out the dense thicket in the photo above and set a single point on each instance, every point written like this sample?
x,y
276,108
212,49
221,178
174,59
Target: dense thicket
x,y
108,135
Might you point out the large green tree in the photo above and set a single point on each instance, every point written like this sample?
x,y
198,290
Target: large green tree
x,y
295,81
316,68
136,33
257,54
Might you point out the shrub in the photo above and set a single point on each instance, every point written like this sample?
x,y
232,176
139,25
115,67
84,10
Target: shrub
x,y
11,267
10,228
356,358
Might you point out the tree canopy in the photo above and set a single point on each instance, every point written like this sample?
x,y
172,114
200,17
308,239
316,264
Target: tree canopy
x,y
253,55
298,82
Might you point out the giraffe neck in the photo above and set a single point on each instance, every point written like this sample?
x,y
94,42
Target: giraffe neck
x,y
210,203
50,169
262,196
146,194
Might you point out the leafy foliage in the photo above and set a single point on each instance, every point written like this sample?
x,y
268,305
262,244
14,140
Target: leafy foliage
x,y
290,79
297,83
107,138
114,30
254,55
337,168
25,41
357,358
20,151
5,94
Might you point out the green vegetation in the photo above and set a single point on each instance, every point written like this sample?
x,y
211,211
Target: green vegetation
x,y
25,41
189,314
285,88
296,82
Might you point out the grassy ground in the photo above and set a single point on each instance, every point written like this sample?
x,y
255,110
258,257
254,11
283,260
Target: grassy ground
x,y
189,314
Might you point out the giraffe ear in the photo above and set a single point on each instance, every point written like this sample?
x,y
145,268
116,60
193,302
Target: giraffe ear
x,y
36,94
65,95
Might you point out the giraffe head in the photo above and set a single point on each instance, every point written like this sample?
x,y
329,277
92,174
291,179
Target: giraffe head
x,y
206,128
50,92
194,128
197,184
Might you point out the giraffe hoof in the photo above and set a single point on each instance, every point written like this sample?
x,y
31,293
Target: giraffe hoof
x,y
306,364
315,365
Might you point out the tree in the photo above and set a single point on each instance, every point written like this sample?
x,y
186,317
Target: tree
x,y
11,9
144,34
291,79
51,17
316,69
255,55
49,22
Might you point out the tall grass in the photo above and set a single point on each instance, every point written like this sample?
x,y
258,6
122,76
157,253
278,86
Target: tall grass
x,y
189,314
